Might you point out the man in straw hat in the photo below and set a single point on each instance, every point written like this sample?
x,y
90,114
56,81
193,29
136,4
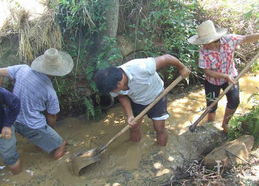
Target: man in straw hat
x,y
35,90
137,84
9,109
216,58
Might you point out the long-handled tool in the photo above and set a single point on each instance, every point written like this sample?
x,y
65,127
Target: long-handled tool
x,y
82,160
245,69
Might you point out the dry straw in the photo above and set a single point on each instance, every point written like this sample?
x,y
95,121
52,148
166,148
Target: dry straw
x,y
35,36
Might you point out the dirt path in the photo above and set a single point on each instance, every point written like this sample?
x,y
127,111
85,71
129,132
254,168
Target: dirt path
x,y
125,162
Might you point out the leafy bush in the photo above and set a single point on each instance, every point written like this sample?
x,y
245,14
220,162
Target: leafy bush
x,y
82,24
255,67
246,124
162,26
168,24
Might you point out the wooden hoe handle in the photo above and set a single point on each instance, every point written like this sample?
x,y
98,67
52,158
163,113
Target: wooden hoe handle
x,y
245,69
140,115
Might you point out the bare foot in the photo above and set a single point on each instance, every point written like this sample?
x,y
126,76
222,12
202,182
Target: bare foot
x,y
60,151
225,129
16,168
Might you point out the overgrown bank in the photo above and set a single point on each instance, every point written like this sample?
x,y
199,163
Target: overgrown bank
x,y
99,33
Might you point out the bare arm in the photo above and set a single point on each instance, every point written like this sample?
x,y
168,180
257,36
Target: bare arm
x,y
125,102
3,72
251,38
51,119
219,75
169,60
6,133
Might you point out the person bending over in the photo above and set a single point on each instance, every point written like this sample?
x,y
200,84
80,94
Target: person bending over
x,y
137,84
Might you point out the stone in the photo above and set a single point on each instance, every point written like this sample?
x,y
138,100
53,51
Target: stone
x,y
127,46
247,140
194,145
231,152
255,153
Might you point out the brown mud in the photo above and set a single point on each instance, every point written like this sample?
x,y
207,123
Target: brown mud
x,y
125,162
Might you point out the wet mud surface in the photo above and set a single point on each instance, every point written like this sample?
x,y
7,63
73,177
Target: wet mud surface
x,y
125,162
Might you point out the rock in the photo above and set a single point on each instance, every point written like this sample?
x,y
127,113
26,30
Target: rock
x,y
231,152
255,153
247,140
127,46
196,144
184,150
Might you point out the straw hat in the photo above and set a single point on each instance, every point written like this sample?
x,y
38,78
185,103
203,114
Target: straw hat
x,y
207,33
53,62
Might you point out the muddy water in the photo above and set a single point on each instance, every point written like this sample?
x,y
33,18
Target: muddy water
x,y
125,162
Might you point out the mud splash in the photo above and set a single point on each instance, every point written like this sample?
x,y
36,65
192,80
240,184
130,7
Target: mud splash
x,y
125,162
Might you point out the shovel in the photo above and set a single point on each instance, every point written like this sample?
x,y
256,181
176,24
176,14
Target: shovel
x,y
84,159
245,69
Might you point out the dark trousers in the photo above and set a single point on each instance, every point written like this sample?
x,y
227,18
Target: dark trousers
x,y
213,91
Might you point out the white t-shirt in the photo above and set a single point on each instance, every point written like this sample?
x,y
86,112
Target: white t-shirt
x,y
143,81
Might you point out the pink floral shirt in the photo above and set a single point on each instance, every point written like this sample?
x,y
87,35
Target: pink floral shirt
x,y
221,61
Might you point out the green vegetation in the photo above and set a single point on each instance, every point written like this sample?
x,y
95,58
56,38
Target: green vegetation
x,y
247,123
172,23
255,67
148,27
164,28
82,24
155,27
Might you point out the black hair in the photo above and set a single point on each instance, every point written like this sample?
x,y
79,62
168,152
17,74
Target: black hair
x,y
216,41
107,79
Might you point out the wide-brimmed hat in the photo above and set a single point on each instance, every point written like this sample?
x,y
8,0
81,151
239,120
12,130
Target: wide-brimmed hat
x,y
207,33
53,62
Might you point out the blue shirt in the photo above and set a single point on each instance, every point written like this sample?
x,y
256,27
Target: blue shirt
x,y
9,108
36,94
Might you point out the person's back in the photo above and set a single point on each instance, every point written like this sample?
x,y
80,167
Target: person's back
x,y
39,102
142,73
36,93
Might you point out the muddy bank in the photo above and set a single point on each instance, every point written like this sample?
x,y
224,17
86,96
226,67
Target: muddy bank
x,y
125,162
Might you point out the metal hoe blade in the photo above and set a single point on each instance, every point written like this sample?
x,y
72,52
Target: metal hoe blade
x,y
82,160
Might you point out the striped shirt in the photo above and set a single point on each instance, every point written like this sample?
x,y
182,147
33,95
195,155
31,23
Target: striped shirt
x,y
143,81
221,61
36,94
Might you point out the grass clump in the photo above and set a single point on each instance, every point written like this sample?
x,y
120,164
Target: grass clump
x,y
245,124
